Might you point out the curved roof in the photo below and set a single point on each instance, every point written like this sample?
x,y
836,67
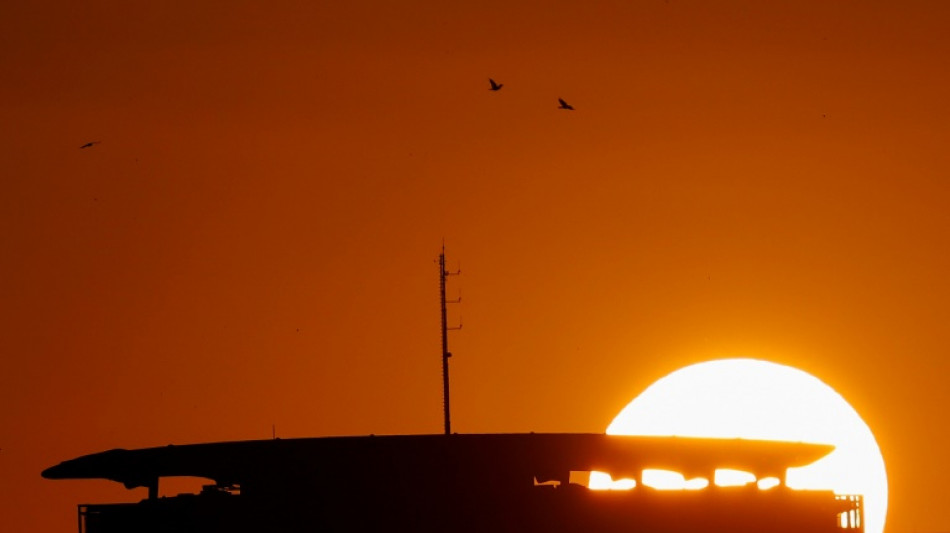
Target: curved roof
x,y
498,456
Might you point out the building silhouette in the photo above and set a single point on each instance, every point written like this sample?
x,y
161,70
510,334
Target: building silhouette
x,y
460,483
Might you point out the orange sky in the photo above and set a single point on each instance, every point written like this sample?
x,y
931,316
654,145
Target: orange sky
x,y
252,242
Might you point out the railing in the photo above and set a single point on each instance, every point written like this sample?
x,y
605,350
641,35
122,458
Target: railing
x,y
81,517
89,512
852,518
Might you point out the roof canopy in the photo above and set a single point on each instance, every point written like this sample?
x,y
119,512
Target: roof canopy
x,y
422,457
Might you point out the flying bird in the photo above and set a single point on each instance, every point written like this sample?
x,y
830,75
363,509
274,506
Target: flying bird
x,y
565,105
89,144
495,86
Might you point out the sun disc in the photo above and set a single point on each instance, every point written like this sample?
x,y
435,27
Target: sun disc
x,y
753,399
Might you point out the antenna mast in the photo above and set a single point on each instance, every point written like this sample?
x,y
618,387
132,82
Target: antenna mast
x,y
443,273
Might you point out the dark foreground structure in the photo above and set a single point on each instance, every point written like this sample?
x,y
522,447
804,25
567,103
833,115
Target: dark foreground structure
x,y
460,483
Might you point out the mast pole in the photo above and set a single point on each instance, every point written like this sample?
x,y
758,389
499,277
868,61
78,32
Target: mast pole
x,y
445,344
443,273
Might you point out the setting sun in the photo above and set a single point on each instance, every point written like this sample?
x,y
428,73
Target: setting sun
x,y
752,399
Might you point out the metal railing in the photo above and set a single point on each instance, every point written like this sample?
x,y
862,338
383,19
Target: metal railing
x,y
852,518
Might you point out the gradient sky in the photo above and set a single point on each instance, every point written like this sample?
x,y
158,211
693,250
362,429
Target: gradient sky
x,y
252,242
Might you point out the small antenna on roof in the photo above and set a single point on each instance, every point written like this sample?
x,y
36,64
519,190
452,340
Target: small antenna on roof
x,y
443,273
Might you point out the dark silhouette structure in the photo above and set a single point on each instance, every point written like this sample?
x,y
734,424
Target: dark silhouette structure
x,y
495,86
460,483
443,274
564,105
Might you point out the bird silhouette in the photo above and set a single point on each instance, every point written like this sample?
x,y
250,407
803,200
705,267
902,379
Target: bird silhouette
x,y
495,86
89,144
565,105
